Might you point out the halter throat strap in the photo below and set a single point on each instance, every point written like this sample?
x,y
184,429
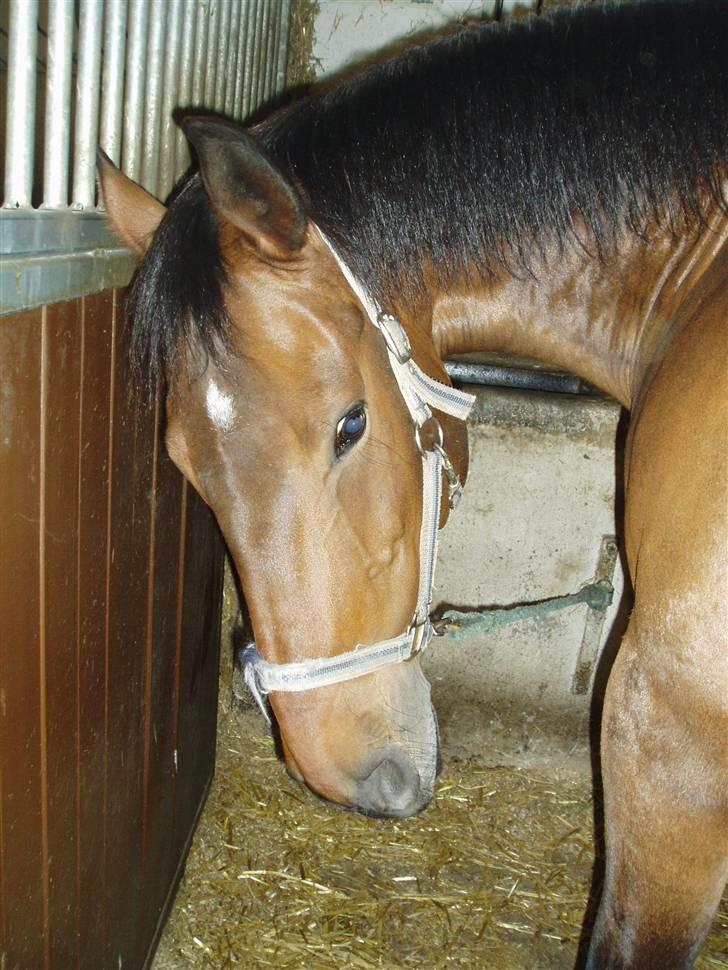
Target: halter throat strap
x,y
421,393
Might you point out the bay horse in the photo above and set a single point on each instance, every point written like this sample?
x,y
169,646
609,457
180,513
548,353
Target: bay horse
x,y
553,189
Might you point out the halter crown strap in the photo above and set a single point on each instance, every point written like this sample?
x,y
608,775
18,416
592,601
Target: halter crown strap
x,y
421,393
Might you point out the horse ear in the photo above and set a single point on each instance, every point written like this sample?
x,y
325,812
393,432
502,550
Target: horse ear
x,y
246,187
132,213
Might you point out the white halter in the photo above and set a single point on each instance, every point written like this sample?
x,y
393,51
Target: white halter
x,y
420,393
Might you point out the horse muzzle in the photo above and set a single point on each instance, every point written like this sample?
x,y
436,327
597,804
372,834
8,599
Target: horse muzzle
x,y
392,786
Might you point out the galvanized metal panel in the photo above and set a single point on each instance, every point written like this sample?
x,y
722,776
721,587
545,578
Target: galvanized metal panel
x,y
29,281
226,56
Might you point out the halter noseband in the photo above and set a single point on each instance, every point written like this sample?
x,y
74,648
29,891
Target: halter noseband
x,y
420,393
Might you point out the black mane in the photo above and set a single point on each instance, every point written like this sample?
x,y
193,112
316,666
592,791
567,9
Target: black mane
x,y
177,295
476,149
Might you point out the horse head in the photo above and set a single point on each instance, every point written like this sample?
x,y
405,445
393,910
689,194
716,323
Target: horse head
x,y
290,425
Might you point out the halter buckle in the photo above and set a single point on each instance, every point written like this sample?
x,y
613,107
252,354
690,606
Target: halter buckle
x,y
395,337
439,442
454,485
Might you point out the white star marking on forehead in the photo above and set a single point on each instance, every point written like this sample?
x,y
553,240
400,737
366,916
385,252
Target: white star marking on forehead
x,y
220,407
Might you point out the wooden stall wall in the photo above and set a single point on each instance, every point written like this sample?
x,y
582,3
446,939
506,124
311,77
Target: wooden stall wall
x,y
110,591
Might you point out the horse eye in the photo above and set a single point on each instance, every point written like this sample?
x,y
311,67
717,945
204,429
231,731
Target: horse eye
x,y
350,428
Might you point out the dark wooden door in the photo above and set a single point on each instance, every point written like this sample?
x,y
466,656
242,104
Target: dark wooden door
x,y
110,592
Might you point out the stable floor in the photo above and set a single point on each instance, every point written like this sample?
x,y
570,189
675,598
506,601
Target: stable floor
x,y
495,874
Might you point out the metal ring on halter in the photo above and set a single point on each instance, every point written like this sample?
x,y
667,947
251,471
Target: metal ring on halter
x,y
437,445
422,633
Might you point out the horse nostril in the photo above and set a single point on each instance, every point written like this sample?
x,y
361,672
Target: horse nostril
x,y
390,780
392,788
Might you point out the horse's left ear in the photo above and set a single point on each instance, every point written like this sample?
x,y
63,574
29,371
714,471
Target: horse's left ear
x,y
246,187
131,212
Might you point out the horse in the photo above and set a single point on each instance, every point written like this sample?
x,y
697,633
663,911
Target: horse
x,y
553,189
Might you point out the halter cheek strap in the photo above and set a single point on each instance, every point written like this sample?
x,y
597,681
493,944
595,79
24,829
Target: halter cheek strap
x,y
421,393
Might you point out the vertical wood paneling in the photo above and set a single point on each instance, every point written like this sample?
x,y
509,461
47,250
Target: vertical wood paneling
x,y
201,604
20,762
110,592
61,403
131,471
161,714
96,434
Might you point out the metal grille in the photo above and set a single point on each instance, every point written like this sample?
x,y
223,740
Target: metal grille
x,y
86,72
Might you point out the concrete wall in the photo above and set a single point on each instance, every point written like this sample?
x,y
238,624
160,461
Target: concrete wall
x,y
347,31
532,524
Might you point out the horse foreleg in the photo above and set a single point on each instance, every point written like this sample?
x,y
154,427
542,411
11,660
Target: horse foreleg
x,y
665,780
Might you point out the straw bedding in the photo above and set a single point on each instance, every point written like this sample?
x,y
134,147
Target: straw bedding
x,y
495,874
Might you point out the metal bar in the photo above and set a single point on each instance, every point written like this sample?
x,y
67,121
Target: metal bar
x,y
190,23
597,596
232,57
282,59
200,58
239,96
260,54
223,41
497,375
248,60
244,60
136,65
271,49
57,143
213,32
169,99
88,90
112,100
251,60
275,48
595,618
270,69
153,99
23,47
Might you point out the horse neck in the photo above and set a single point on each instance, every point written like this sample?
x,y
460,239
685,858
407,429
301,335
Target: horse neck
x,y
607,320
